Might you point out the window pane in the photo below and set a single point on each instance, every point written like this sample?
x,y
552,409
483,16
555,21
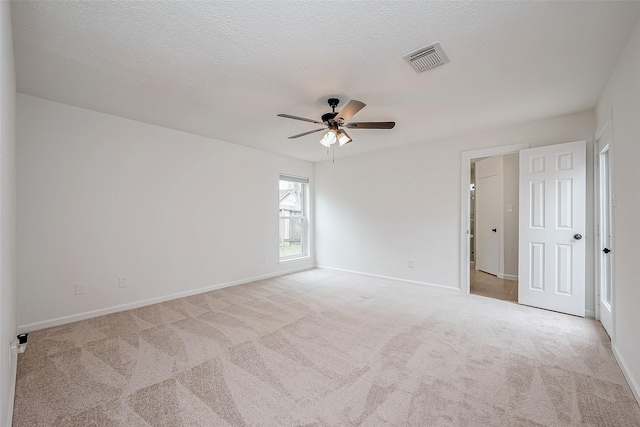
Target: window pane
x,y
291,236
292,218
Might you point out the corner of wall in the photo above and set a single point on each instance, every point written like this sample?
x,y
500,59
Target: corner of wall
x,y
7,215
618,105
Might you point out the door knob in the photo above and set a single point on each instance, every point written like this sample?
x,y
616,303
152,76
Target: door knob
x,y
606,250
495,230
577,236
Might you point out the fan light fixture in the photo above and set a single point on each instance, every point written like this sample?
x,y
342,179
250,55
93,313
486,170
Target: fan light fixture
x,y
335,135
343,138
329,138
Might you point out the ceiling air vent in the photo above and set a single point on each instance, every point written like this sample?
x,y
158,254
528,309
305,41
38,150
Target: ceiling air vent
x,y
427,57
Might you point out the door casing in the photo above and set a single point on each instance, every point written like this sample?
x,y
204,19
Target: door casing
x,y
604,136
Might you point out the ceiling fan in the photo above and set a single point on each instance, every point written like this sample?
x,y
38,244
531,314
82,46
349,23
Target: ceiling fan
x,y
334,121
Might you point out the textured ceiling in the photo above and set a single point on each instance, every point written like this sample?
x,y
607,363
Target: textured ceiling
x,y
225,69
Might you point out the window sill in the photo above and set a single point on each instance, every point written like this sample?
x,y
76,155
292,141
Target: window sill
x,y
295,258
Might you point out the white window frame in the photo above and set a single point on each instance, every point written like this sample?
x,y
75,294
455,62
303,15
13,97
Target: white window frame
x,y
305,217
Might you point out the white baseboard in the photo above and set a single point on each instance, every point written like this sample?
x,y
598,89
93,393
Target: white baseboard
x,y
507,276
410,282
114,309
633,382
589,313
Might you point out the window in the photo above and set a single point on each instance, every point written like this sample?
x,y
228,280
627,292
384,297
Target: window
x,y
293,217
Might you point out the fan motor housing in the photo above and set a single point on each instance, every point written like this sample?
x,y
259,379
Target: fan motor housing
x,y
328,117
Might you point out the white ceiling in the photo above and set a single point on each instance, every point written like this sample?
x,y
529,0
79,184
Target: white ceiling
x,y
225,69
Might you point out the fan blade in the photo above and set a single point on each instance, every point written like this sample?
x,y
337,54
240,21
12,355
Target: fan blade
x,y
306,133
349,110
289,116
370,125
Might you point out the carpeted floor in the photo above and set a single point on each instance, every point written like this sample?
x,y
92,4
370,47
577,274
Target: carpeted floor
x,y
329,349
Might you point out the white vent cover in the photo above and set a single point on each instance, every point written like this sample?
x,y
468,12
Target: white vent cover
x,y
427,57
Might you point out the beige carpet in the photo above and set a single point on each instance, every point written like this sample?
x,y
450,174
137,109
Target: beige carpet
x,y
328,349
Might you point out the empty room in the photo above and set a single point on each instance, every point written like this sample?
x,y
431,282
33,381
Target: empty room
x,y
286,213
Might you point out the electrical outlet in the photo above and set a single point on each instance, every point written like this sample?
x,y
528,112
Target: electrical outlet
x,y
410,263
80,289
122,282
509,208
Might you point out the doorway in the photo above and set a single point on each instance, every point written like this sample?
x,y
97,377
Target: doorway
x,y
552,218
494,227
468,158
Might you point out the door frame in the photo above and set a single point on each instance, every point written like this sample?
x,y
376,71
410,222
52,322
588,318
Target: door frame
x,y
605,131
465,205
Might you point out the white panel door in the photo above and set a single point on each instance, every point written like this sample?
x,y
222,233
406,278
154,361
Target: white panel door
x,y
488,205
552,227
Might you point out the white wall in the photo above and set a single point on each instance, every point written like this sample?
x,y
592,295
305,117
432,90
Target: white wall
x,y
101,197
381,209
7,215
620,103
